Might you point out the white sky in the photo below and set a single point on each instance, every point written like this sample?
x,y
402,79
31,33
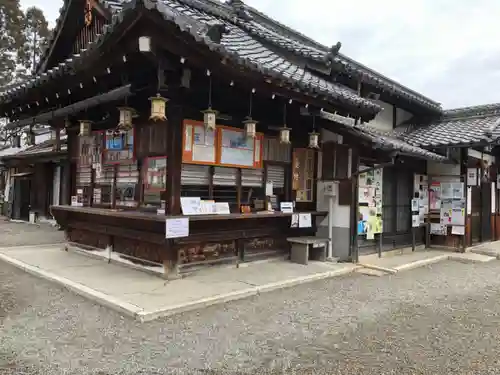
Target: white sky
x,y
445,49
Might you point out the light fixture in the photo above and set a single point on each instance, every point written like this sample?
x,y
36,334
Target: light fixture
x,y
314,136
158,108
126,114
250,127
284,131
85,128
209,114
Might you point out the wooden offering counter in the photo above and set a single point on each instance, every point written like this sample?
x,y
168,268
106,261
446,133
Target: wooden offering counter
x,y
212,238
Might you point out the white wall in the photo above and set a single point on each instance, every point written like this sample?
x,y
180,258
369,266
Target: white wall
x,y
383,121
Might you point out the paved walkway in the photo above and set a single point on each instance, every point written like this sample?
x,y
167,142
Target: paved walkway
x,y
148,297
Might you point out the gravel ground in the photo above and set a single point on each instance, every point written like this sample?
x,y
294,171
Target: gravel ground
x,y
22,234
443,319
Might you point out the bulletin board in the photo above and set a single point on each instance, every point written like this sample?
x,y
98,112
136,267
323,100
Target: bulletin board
x,y
237,150
224,146
198,144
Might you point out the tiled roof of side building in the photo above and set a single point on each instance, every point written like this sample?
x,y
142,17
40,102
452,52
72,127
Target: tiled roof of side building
x,y
457,127
236,44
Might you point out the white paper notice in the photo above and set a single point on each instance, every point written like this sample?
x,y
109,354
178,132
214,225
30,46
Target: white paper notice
x,y
269,189
177,228
294,223
458,230
191,206
438,229
222,208
305,221
415,221
414,205
286,207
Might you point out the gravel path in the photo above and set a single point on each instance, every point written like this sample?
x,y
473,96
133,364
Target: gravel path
x,y
439,320
23,234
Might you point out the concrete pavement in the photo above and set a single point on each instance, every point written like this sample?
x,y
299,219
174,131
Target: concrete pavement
x,y
146,297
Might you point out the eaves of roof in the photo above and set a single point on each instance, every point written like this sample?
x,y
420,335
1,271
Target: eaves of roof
x,y
237,45
387,141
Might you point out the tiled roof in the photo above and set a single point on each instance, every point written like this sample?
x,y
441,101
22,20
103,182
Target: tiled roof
x,y
296,42
237,44
457,127
45,147
385,140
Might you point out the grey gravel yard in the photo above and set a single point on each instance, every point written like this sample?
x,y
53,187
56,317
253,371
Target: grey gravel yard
x,y
443,319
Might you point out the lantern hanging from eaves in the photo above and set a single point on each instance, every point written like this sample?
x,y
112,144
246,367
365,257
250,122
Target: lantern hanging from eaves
x,y
158,108
314,136
126,115
209,114
209,118
85,128
250,127
284,131
285,135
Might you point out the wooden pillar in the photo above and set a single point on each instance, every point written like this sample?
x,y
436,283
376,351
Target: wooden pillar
x,y
174,166
463,172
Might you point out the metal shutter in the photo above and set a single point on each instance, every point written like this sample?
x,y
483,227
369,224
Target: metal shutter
x,y
192,174
252,177
276,175
225,176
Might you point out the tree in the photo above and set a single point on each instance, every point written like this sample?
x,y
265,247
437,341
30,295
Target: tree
x,y
35,34
11,22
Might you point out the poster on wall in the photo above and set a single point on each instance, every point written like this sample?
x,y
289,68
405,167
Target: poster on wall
x,y
369,223
493,198
435,196
370,203
236,148
472,177
438,229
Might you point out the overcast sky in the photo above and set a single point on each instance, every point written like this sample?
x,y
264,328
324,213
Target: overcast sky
x,y
445,49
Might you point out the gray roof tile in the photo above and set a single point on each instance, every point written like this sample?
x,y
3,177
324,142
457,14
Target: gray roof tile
x,y
237,44
457,127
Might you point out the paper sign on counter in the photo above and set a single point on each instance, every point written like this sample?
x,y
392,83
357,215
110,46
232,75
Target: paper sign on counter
x,y
191,205
177,228
286,207
305,221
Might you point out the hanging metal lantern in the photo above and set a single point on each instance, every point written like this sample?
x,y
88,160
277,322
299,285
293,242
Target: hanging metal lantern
x,y
126,114
285,135
250,127
209,118
85,128
158,108
313,140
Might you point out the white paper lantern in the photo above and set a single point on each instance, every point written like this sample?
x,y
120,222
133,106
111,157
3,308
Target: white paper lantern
x,y
285,135
313,140
250,128
85,128
126,114
158,108
209,118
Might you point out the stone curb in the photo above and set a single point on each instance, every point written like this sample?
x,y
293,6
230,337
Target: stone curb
x,y
422,263
486,252
392,271
141,315
464,259
21,247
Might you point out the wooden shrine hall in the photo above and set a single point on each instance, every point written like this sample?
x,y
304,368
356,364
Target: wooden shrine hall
x,y
183,113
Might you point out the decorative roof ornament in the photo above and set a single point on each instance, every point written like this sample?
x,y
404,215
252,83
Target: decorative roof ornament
x,y
216,31
331,55
239,9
